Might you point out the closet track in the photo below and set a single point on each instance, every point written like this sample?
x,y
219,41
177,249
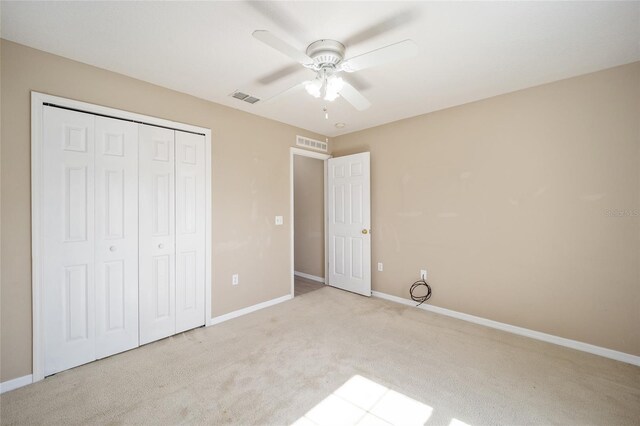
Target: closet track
x,y
118,118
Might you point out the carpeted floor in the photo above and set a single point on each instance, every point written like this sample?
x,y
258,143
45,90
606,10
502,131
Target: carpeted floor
x,y
303,286
333,357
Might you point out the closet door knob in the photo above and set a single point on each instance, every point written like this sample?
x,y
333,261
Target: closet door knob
x,y
160,246
112,248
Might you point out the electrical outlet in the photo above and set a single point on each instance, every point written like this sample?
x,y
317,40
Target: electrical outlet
x,y
423,274
379,266
234,279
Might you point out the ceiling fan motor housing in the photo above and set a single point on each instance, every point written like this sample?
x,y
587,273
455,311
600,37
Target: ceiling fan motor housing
x,y
326,53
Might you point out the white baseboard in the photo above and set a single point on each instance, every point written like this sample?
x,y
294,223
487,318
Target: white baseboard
x,y
573,344
19,382
248,310
309,276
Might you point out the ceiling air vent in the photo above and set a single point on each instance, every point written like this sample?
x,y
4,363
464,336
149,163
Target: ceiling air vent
x,y
244,97
311,143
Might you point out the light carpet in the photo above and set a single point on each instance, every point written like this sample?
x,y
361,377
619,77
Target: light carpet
x,y
304,286
333,357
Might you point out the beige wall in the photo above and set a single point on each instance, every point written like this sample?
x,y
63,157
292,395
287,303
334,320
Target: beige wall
x,y
506,202
250,186
309,215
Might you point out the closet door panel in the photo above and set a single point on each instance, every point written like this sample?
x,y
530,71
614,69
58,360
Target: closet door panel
x,y
68,238
157,233
190,231
116,198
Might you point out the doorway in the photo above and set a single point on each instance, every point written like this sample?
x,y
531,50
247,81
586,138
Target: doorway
x,y
346,216
308,206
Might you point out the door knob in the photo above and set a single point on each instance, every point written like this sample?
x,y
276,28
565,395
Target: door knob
x,y
160,246
112,248
364,231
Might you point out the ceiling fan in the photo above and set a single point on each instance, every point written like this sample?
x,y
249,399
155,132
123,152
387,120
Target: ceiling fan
x,y
327,59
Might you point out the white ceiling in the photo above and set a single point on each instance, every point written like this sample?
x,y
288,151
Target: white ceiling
x,y
467,50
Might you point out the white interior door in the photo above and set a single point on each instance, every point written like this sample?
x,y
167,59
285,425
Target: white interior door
x,y
116,243
68,238
190,231
156,233
349,230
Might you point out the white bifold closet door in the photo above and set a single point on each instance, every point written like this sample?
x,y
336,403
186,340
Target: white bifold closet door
x,y
157,234
123,235
116,225
190,231
90,271
172,225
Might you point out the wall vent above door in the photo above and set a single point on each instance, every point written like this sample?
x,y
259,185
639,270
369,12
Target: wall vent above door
x,y
311,143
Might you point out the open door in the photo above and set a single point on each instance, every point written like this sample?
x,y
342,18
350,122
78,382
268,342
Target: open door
x,y
349,224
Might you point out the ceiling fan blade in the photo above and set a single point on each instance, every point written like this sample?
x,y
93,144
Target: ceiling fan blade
x,y
279,14
286,92
359,83
282,46
280,74
394,52
355,98
387,24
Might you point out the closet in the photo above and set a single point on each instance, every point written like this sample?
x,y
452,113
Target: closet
x,y
171,248
122,238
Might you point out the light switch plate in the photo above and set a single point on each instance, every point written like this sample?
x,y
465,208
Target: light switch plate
x,y
279,220
380,267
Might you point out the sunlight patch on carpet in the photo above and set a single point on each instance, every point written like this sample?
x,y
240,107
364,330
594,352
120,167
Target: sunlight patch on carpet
x,y
361,402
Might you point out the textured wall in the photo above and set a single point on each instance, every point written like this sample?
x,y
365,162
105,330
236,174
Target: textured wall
x,y
524,208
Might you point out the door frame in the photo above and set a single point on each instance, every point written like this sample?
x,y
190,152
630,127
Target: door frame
x,y
37,101
320,156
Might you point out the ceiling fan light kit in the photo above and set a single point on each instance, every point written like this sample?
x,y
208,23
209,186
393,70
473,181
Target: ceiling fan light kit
x,y
326,54
326,86
326,58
